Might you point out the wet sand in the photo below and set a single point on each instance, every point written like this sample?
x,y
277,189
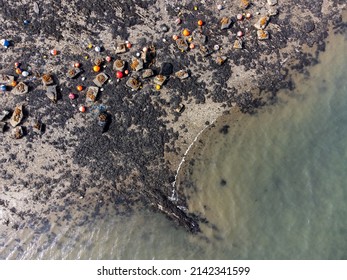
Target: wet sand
x,y
74,169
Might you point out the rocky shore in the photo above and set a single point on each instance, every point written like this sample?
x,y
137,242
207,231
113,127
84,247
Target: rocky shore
x,y
67,155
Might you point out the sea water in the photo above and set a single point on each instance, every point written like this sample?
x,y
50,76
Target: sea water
x,y
274,187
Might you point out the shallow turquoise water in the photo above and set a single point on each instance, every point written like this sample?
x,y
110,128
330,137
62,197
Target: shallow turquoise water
x,y
284,197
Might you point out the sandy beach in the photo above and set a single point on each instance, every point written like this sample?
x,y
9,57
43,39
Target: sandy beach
x,y
77,164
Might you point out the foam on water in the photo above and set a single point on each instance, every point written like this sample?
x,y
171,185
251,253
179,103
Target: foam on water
x,y
284,194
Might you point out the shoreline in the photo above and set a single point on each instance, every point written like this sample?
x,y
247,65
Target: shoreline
x,y
45,175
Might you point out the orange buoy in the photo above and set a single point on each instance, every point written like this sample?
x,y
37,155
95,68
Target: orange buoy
x,y
13,83
186,32
77,65
79,88
54,52
128,45
126,72
82,109
96,68
200,22
18,71
192,46
174,37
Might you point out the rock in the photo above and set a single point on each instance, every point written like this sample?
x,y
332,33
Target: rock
x,y
73,72
118,65
182,44
159,80
237,44
136,64
221,59
18,132
182,74
180,108
6,79
4,114
262,22
47,79
205,50
262,34
271,2
199,37
92,94
309,26
2,127
51,93
20,88
166,69
133,83
164,28
121,48
147,73
102,119
98,61
225,23
272,12
100,79
36,8
17,116
37,126
244,4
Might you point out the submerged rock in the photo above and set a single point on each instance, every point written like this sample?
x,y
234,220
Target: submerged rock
x,y
18,132
136,64
262,22
37,126
51,93
159,80
118,65
182,44
6,79
205,50
121,48
272,11
73,72
100,79
237,44
47,79
20,88
221,59
271,2
2,127
198,37
244,4
4,114
133,83
262,34
225,23
92,94
182,74
17,116
147,73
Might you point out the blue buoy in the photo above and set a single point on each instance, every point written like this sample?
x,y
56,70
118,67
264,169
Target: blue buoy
x,y
2,88
5,43
26,22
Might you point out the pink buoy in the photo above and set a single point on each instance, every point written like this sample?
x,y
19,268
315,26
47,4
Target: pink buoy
x,y
239,17
239,34
72,96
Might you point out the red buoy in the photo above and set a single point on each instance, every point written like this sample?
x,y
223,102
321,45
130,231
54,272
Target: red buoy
x,y
119,74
